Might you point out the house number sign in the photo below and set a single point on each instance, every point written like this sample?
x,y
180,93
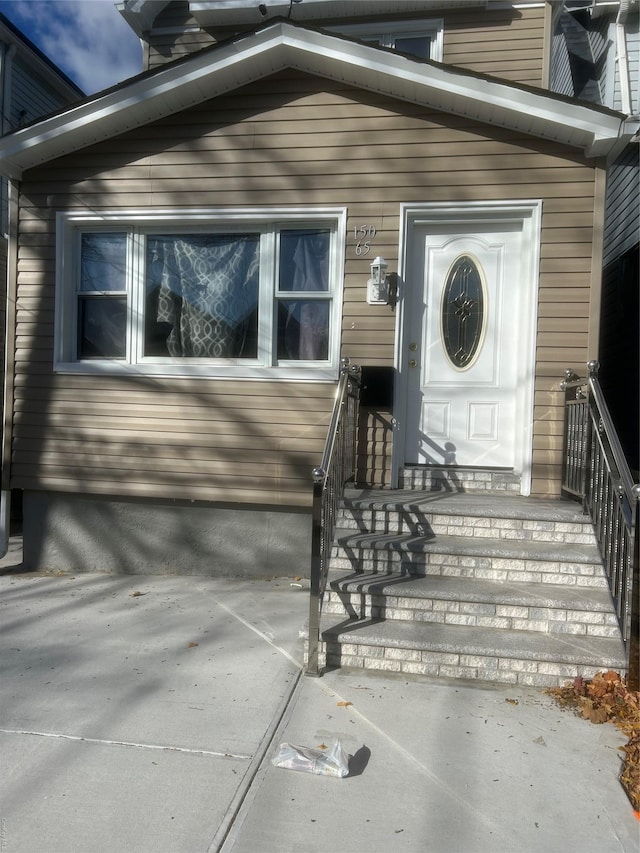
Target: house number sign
x,y
363,235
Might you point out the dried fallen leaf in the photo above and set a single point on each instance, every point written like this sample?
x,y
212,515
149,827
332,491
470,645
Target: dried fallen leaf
x,y
512,701
343,704
137,593
192,645
594,713
322,746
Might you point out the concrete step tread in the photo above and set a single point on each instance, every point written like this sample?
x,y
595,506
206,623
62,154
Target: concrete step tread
x,y
478,546
484,642
473,590
480,505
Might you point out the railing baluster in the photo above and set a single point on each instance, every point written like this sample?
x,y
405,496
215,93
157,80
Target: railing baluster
x,y
596,472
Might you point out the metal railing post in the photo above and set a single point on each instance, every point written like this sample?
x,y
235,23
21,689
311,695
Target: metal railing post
x,y
329,479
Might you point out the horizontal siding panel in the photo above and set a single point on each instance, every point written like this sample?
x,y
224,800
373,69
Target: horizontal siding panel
x,y
158,443
134,385
466,160
564,325
216,419
561,288
107,453
261,183
565,265
179,470
561,311
564,338
231,151
227,492
563,355
166,403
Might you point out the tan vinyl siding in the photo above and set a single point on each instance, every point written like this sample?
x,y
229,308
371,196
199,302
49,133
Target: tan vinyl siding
x,y
289,140
507,43
374,448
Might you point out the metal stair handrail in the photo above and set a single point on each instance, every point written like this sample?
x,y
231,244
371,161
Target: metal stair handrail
x,y
329,479
596,472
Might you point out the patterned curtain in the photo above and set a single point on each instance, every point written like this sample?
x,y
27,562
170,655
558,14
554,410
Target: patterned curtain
x,y
208,293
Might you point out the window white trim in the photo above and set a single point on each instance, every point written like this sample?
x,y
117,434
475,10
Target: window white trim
x,y
138,223
387,32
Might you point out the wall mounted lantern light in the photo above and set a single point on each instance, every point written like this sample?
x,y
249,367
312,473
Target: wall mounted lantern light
x,y
378,284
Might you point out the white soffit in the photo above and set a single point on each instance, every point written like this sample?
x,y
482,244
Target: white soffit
x,y
250,57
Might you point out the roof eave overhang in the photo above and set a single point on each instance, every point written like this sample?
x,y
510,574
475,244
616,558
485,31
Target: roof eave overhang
x,y
281,45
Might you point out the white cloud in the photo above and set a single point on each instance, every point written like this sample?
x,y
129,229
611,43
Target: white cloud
x,y
88,39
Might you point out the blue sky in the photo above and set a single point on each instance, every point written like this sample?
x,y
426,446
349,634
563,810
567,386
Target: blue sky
x,y
87,39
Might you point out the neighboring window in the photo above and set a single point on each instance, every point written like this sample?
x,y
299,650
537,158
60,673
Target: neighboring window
x,y
419,38
216,295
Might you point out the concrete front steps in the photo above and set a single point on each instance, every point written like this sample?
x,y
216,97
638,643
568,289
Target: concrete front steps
x,y
488,585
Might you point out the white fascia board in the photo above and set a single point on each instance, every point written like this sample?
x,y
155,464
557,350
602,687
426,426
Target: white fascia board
x,y
452,91
252,56
138,103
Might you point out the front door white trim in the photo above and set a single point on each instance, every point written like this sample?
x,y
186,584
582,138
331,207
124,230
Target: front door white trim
x,y
529,214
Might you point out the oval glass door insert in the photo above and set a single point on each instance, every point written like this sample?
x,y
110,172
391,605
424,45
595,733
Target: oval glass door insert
x,y
463,311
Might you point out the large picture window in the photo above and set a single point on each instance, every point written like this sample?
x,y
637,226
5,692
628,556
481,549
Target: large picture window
x,y
215,294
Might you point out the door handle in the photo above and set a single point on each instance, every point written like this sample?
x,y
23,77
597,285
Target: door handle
x,y
413,363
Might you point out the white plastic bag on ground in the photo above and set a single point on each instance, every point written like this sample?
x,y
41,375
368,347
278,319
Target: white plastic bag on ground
x,y
332,761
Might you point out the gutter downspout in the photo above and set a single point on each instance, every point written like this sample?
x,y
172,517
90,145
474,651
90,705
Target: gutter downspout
x,y
623,58
9,369
6,56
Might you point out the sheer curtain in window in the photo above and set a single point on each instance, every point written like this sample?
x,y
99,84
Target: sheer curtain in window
x,y
303,324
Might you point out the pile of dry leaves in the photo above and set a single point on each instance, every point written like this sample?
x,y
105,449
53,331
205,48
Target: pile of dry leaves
x,y
605,698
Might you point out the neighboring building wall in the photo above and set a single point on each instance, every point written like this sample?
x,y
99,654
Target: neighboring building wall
x,y
582,51
288,140
619,352
30,97
622,226
175,34
504,42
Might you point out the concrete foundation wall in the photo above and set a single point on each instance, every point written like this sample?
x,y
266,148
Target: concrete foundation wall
x,y
70,533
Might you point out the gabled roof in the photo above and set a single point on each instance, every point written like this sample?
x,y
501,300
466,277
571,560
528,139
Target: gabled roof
x,y
281,45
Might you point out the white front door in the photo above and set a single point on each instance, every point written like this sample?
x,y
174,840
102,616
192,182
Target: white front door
x,y
463,342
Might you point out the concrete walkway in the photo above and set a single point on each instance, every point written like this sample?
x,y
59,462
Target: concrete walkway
x,y
141,714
